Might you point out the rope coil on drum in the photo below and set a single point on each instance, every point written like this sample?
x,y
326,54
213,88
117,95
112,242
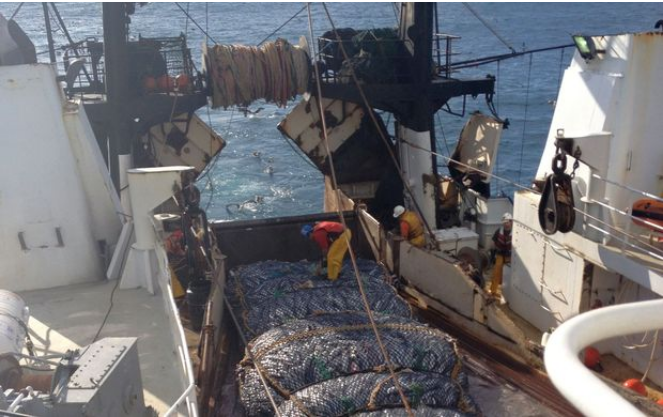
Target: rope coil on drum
x,y
276,71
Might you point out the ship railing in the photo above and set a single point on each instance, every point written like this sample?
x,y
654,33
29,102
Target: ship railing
x,y
188,396
645,237
385,57
173,52
569,374
443,51
85,59
377,57
154,65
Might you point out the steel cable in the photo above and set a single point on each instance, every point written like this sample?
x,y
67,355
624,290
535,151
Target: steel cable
x,y
377,125
383,349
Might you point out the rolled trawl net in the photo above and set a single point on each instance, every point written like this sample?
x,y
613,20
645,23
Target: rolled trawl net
x,y
315,346
370,391
272,293
417,412
304,352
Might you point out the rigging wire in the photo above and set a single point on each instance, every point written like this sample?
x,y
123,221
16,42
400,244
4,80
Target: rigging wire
x,y
360,284
394,7
444,136
281,27
299,153
522,143
498,84
651,356
263,381
16,11
559,75
475,62
488,26
186,21
125,257
196,23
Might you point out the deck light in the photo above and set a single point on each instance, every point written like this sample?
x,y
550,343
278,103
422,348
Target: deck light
x,y
586,46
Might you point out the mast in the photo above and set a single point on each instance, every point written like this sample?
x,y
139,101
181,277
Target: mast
x,y
117,92
413,98
416,31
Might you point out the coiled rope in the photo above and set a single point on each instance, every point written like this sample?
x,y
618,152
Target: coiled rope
x,y
276,71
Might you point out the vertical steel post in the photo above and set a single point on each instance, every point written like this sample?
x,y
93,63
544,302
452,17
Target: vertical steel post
x,y
415,139
120,133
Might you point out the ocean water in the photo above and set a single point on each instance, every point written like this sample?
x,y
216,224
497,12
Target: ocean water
x,y
258,175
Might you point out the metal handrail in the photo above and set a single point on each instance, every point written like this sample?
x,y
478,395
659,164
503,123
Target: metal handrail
x,y
577,383
626,187
182,397
189,393
185,362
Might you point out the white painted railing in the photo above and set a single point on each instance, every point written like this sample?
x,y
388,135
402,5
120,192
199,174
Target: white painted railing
x,y
188,395
577,383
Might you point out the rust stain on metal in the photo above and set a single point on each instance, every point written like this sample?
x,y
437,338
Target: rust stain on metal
x,y
648,34
429,179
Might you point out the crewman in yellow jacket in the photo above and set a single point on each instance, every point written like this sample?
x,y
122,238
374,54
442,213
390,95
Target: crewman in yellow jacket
x,y
502,241
410,226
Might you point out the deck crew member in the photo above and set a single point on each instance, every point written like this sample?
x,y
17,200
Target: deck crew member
x,y
333,239
410,226
502,241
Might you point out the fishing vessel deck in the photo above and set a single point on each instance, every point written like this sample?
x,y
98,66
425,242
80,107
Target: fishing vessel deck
x,y
69,317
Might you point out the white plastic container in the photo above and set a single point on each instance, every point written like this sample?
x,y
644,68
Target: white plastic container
x,y
489,217
456,238
14,315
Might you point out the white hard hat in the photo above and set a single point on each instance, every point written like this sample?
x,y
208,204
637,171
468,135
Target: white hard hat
x,y
506,217
398,210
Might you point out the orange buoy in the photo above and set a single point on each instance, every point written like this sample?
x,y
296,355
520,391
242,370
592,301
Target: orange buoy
x,y
182,82
164,83
649,210
149,84
592,358
636,385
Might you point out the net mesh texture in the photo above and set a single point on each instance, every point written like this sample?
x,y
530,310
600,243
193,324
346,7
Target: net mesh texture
x,y
313,343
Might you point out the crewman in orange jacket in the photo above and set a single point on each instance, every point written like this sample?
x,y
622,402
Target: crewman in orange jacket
x,y
333,239
410,226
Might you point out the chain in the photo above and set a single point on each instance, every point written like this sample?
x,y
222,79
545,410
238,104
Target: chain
x,y
576,154
576,164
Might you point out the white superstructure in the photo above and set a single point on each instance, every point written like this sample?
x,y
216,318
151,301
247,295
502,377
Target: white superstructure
x,y
60,220
60,214
609,105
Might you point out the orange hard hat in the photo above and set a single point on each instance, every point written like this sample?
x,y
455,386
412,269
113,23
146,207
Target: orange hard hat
x,y
636,385
592,357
